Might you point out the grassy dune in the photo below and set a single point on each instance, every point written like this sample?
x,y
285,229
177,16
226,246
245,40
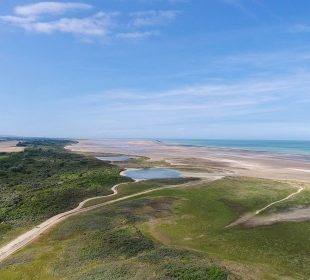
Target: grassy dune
x,y
45,180
198,221
107,244
136,187
301,200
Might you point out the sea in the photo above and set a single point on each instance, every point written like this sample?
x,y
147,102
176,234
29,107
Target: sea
x,y
288,147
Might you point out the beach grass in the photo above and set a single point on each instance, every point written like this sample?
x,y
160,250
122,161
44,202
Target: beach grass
x,y
199,219
107,244
299,201
136,187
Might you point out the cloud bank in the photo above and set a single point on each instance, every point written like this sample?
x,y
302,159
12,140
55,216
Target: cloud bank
x,y
84,20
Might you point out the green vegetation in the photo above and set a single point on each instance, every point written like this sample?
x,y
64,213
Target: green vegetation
x,y
301,200
170,233
107,244
136,187
199,219
45,180
3,156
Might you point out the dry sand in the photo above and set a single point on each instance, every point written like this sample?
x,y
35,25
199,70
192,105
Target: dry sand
x,y
295,215
10,147
201,160
241,163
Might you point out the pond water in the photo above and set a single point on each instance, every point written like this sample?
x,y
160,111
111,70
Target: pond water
x,y
152,173
114,158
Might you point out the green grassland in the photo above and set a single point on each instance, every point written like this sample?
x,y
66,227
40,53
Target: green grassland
x,y
136,187
45,180
199,219
301,200
107,244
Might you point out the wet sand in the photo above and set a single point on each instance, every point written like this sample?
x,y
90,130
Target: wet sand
x,y
238,162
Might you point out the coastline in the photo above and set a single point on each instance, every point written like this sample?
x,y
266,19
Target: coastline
x,y
238,162
274,147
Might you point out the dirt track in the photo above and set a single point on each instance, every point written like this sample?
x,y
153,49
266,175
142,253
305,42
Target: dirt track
x,y
29,236
251,219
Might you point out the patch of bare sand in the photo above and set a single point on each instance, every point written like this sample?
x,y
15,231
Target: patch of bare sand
x,y
290,215
241,163
296,215
10,147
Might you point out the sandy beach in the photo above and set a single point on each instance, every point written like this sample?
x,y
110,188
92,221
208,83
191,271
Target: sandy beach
x,y
238,162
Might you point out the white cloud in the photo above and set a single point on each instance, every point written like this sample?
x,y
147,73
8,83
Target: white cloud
x,y
136,34
151,18
300,28
97,25
32,18
19,21
42,8
48,18
242,97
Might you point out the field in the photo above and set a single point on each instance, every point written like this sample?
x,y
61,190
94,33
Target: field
x,y
9,146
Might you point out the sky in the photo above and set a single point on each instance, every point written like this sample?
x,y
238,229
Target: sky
x,y
207,69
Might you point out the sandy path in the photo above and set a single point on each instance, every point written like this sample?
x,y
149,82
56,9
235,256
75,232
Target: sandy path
x,y
247,219
300,189
296,215
34,233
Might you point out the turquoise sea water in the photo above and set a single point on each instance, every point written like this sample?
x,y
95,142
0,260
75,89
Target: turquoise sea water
x,y
274,146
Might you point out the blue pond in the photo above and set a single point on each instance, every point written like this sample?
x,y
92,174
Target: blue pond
x,y
152,173
114,158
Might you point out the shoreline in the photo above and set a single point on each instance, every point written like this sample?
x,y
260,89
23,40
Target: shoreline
x,y
246,151
240,163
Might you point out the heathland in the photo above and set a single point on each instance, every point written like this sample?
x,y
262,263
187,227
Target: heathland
x,y
44,180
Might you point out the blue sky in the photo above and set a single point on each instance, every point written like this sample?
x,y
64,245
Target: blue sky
x,y
236,69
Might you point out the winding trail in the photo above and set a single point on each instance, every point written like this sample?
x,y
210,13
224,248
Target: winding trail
x,y
300,189
29,236
249,216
